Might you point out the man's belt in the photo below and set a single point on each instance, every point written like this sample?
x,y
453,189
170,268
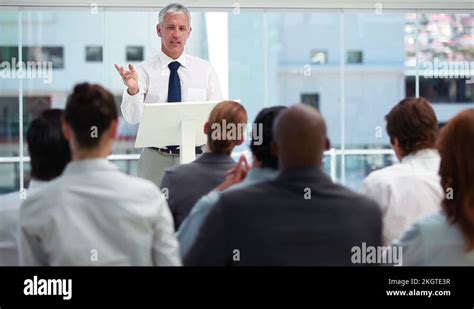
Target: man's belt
x,y
173,149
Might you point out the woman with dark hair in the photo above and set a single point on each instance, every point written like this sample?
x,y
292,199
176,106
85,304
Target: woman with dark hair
x,y
447,238
49,153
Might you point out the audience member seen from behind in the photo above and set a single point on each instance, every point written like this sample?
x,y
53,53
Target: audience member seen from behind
x,y
185,184
409,190
300,218
264,167
94,214
447,237
49,153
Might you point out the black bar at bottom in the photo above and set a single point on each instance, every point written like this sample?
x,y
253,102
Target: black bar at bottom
x,y
267,285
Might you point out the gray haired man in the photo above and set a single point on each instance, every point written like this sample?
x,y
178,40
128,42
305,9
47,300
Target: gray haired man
x,y
170,76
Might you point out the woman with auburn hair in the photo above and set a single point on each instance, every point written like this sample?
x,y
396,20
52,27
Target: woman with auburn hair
x,y
447,238
184,185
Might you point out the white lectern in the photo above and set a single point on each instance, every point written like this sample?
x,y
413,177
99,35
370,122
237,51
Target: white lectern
x,y
180,123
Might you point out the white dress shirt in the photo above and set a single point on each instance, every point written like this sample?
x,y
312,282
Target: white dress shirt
x,y
199,82
9,210
96,215
406,191
434,241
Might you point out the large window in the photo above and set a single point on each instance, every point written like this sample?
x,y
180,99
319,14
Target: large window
x,y
351,65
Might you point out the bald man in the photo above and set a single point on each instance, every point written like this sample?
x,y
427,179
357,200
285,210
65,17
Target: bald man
x,y
299,219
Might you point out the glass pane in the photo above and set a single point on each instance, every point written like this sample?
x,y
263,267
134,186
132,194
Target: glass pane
x,y
359,166
9,102
372,86
54,43
120,39
262,59
447,61
10,176
127,166
246,62
306,68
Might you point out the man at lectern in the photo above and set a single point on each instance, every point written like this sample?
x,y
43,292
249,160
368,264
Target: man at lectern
x,y
170,76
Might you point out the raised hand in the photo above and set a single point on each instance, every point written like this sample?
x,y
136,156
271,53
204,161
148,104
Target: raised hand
x,y
235,175
130,78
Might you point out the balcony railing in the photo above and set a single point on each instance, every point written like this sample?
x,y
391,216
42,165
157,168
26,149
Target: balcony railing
x,y
331,154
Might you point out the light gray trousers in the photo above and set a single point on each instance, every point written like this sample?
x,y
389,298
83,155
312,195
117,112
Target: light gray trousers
x,y
153,163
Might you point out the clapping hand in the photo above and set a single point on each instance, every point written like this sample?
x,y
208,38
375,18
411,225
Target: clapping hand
x,y
235,174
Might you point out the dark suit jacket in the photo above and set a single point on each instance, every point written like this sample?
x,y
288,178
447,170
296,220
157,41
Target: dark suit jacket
x,y
300,218
187,183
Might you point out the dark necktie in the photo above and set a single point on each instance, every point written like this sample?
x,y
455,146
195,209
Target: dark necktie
x,y
174,85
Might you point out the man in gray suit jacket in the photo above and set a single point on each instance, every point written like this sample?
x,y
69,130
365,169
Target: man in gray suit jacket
x,y
185,184
300,218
